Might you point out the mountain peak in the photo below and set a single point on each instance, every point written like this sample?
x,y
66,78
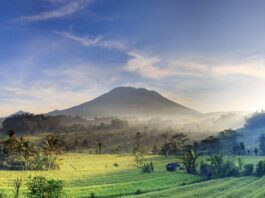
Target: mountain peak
x,y
133,90
129,102
123,88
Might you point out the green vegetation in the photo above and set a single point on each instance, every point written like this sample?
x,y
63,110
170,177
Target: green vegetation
x,y
84,174
21,154
41,187
244,187
148,167
189,161
223,159
248,169
219,167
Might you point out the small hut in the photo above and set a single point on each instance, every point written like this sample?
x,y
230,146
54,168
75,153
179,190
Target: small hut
x,y
172,166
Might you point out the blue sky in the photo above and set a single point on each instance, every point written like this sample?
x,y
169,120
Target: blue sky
x,y
207,54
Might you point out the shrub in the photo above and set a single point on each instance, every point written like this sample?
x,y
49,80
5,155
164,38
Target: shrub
x,y
13,162
230,170
116,164
205,170
40,187
219,168
248,169
260,170
92,195
138,192
148,168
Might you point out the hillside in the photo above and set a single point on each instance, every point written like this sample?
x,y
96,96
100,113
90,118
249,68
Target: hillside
x,y
129,102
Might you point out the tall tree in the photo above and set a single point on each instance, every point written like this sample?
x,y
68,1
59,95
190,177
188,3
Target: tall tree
x,y
189,161
175,144
256,150
262,144
138,142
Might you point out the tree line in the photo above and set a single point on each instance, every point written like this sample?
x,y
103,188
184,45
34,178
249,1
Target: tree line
x,y
27,123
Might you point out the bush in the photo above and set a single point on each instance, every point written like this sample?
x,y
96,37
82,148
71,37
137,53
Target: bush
x,y
248,169
13,162
148,168
40,187
219,168
43,161
230,170
138,192
205,170
116,164
260,170
92,195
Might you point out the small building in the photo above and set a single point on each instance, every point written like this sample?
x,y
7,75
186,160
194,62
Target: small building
x,y
172,166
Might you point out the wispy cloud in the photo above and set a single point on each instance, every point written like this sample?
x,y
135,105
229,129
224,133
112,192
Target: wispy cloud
x,y
156,68
66,9
250,67
98,41
146,66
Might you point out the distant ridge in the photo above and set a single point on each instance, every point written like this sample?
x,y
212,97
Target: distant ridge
x,y
128,102
19,113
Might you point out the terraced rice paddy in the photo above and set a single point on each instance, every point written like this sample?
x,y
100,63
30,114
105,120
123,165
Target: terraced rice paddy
x,y
84,174
228,187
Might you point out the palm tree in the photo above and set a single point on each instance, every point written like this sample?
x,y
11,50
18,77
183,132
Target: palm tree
x,y
25,148
189,161
44,161
10,145
51,145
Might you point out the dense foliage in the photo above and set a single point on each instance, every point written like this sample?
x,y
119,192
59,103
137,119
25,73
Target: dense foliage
x,y
27,123
248,169
218,167
226,142
174,144
148,167
21,154
189,161
260,170
40,187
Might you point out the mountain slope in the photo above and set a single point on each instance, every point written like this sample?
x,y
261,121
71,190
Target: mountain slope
x,y
129,101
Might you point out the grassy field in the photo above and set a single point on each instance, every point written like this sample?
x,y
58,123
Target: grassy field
x,y
83,174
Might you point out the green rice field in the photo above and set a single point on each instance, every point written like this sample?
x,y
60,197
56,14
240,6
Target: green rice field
x,y
84,174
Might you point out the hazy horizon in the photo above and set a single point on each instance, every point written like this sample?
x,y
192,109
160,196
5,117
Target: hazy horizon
x,y
206,55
